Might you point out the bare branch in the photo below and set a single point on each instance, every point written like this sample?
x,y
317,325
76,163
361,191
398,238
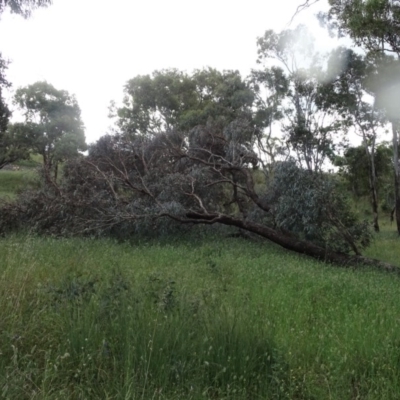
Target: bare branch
x,y
302,7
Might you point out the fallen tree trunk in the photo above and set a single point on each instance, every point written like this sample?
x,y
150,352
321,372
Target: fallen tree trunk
x,y
292,243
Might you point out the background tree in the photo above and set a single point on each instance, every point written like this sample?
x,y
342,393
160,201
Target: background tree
x,y
349,92
173,100
310,130
354,167
270,87
372,24
4,111
385,83
375,26
154,103
53,127
11,148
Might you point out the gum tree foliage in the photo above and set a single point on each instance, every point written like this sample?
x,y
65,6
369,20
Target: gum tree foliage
x,y
354,167
350,83
372,24
295,83
384,81
4,111
307,204
11,148
173,100
270,87
375,26
53,127
4,117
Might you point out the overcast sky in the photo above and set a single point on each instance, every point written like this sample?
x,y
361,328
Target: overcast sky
x,y
92,47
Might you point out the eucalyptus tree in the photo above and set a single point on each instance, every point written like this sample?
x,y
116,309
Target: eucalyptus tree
x,y
270,87
372,24
174,100
375,26
4,110
385,83
355,167
53,127
11,149
349,92
310,130
154,103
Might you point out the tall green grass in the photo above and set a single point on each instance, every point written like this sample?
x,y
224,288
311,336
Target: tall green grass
x,y
192,319
13,181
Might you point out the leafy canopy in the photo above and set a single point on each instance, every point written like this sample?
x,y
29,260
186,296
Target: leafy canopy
x,y
53,127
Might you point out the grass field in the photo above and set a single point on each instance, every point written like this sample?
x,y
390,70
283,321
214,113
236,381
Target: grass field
x,y
200,317
211,318
13,181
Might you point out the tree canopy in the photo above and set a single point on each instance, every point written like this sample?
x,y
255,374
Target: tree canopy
x,y
297,84
53,127
173,100
374,25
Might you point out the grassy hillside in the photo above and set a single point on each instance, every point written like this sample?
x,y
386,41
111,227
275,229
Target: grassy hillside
x,y
12,181
26,176
208,318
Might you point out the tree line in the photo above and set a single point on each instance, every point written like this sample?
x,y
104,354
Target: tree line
x,y
214,147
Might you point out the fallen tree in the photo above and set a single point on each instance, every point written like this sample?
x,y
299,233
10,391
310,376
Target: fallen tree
x,y
204,177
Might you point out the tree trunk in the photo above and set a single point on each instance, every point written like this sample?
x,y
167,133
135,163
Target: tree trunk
x,y
292,243
396,173
374,200
372,182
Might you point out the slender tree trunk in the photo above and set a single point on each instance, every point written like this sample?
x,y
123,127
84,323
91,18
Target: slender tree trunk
x,y
374,201
46,167
372,182
396,172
